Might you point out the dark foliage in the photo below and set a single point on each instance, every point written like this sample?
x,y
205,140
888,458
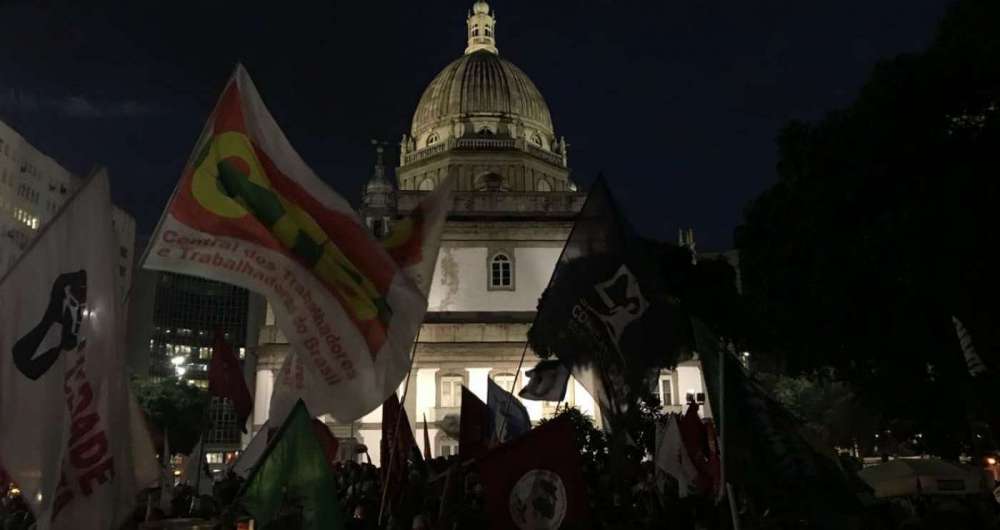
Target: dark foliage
x,y
882,226
174,407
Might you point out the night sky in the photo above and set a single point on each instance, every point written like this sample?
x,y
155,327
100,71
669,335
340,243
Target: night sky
x,y
677,102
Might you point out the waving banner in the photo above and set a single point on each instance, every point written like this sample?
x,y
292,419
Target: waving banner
x,y
248,211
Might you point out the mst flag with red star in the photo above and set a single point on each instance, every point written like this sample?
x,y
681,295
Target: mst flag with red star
x,y
249,211
535,482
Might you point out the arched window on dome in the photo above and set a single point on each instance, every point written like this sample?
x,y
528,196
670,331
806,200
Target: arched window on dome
x,y
426,185
432,138
487,32
501,272
543,185
475,31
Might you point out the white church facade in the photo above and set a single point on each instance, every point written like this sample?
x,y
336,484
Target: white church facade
x,y
482,120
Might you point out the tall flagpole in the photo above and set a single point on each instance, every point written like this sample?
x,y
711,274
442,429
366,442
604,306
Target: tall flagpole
x,y
395,432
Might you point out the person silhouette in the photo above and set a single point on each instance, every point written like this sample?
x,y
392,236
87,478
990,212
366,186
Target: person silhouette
x,y
67,303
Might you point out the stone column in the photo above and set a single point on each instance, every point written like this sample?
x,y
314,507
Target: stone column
x,y
426,391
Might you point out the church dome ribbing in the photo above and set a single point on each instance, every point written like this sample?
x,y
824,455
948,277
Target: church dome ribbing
x,y
483,84
481,118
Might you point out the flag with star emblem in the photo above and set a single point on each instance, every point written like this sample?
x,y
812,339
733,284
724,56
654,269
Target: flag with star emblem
x,y
536,481
248,211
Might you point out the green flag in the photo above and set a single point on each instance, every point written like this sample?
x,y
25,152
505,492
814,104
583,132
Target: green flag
x,y
293,486
766,450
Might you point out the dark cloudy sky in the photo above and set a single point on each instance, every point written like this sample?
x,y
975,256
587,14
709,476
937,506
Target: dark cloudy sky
x,y
677,101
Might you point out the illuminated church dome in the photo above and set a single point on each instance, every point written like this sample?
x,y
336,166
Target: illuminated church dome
x,y
480,84
481,118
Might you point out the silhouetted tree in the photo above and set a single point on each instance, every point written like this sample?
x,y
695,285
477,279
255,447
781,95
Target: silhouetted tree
x,y
174,407
882,226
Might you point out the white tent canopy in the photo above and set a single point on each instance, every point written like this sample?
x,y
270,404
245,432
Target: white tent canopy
x,y
904,477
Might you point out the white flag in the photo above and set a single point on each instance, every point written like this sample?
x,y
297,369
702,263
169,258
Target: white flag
x,y
251,454
972,360
196,472
66,427
546,382
672,457
249,211
413,243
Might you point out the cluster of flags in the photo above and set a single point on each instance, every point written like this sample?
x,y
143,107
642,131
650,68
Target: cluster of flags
x,y
687,449
485,425
248,211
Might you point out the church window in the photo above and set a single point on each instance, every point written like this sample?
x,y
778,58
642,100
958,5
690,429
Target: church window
x,y
451,391
475,31
426,185
543,185
432,138
447,446
664,391
505,381
487,32
501,272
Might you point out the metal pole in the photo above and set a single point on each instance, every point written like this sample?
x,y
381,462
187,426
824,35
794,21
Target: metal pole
x,y
399,417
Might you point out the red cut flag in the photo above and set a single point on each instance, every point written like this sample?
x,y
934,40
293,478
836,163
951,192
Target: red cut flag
x,y
5,480
475,426
696,442
225,379
248,211
393,459
536,481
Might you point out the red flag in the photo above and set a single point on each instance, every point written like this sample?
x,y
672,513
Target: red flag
x,y
225,379
5,480
427,442
474,426
394,474
327,440
695,437
535,481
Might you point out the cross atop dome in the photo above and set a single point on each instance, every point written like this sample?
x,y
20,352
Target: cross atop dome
x,y
482,29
